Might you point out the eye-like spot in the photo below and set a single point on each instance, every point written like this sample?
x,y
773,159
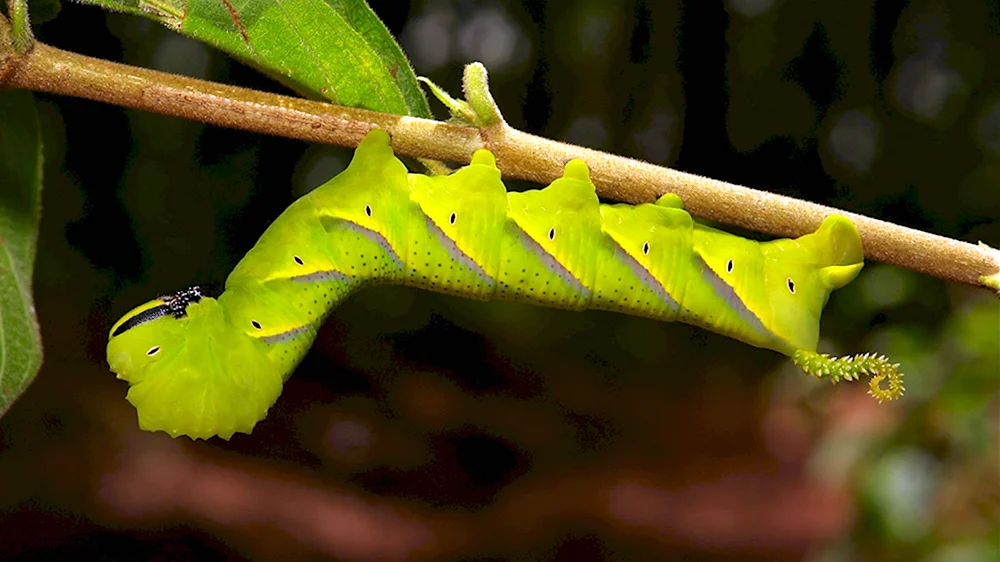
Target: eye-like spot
x,y
452,218
298,260
791,285
368,210
153,350
256,324
552,233
645,249
729,266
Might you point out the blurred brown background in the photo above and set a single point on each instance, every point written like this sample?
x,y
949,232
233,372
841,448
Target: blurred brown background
x,y
427,427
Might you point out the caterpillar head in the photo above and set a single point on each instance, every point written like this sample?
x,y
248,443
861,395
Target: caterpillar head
x,y
800,273
190,372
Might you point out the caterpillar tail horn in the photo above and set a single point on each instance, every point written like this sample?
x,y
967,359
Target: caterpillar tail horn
x,y
851,367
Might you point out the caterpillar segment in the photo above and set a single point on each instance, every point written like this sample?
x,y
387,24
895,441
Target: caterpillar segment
x,y
203,367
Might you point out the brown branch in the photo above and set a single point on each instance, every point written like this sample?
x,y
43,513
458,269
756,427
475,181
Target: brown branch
x,y
47,69
519,154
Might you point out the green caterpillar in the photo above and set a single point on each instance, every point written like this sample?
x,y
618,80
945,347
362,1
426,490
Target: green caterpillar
x,y
200,367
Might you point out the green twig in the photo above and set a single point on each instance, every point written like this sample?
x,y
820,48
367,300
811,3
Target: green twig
x,y
476,85
20,26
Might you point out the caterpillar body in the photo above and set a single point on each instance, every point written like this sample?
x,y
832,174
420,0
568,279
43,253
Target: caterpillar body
x,y
201,367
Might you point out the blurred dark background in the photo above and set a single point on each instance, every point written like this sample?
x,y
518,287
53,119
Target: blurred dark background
x,y
427,427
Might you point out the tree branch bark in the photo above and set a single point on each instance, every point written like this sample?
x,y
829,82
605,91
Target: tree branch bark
x,y
519,155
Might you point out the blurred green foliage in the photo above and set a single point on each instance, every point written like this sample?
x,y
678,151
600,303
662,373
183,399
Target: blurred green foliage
x,y
20,201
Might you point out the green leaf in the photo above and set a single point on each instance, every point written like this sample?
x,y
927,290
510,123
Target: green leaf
x,y
333,49
21,177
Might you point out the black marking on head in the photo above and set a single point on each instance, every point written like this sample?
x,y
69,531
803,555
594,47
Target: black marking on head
x,y
153,350
298,260
729,266
174,305
368,210
179,301
256,324
791,285
452,218
645,249
552,233
142,318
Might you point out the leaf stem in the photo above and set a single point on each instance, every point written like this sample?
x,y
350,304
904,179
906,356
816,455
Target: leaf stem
x,y
20,26
519,155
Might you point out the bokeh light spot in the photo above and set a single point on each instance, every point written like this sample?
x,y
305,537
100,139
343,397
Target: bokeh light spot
x,y
854,140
